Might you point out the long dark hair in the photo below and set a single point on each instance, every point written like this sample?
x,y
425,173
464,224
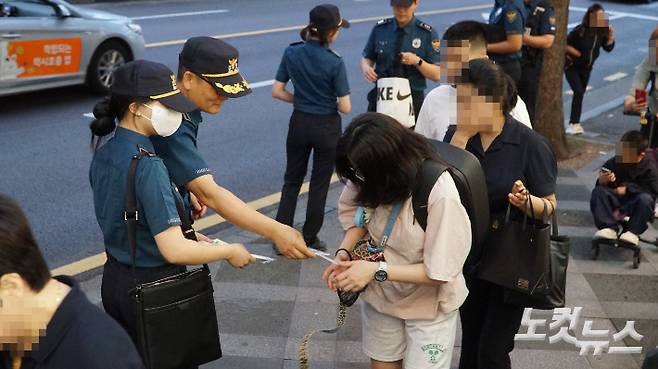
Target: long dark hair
x,y
490,80
322,35
591,10
382,158
106,114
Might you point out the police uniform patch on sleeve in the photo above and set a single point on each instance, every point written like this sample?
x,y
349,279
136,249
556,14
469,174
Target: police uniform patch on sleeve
x,y
384,21
551,21
425,26
415,43
436,45
511,15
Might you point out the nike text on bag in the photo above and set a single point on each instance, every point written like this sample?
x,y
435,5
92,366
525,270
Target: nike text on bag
x,y
394,99
469,178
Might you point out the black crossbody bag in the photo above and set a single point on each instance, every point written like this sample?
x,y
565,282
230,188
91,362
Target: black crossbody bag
x,y
176,317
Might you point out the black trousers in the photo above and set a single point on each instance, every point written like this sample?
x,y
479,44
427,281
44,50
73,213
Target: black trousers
x,y
118,281
488,326
512,68
306,133
604,203
528,85
418,97
578,78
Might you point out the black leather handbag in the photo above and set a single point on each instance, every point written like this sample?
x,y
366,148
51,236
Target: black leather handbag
x,y
176,317
554,295
517,253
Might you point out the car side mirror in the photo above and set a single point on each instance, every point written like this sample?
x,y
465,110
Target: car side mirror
x,y
8,10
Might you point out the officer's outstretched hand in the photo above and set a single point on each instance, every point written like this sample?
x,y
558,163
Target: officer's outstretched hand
x,y
290,243
240,256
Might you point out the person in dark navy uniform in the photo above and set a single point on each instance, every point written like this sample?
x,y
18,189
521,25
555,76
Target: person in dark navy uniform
x,y
319,77
402,46
47,322
505,49
146,101
208,75
539,35
519,166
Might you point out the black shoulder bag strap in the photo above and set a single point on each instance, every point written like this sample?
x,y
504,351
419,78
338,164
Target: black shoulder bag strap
x,y
429,173
131,215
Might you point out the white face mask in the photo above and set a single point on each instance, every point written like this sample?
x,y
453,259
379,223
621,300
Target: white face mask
x,y
165,121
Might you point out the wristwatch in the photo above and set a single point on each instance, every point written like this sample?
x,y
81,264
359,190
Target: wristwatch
x,y
420,62
381,275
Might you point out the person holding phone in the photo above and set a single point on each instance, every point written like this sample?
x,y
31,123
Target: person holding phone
x,y
642,96
584,44
627,186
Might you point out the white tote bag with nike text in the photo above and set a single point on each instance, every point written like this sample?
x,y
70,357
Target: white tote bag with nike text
x,y
394,99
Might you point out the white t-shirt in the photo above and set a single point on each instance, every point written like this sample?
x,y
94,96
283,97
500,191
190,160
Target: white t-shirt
x,y
439,111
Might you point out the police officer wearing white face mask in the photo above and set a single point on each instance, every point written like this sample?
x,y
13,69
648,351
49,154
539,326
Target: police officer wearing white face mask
x,y
145,100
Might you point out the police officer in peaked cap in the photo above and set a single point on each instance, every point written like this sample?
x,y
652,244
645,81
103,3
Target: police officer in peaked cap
x,y
402,46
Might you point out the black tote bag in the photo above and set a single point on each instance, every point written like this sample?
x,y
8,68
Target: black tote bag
x,y
554,296
516,253
176,317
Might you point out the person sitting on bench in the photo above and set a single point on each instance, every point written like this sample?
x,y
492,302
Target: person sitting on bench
x,y
627,186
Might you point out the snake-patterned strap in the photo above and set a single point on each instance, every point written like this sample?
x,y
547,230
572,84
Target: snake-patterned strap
x,y
303,347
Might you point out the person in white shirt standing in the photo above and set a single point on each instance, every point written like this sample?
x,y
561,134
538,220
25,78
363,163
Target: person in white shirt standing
x,y
463,41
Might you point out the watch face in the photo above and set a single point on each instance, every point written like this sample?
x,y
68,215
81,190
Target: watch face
x,y
381,276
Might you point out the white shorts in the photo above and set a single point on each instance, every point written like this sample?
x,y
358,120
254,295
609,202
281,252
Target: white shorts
x,y
421,344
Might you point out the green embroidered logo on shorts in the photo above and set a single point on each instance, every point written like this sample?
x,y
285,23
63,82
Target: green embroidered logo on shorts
x,y
433,350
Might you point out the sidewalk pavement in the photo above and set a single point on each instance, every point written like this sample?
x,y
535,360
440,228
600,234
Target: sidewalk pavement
x,y
265,309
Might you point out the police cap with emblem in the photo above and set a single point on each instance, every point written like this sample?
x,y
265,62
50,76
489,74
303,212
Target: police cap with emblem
x,y
143,78
402,3
326,17
216,62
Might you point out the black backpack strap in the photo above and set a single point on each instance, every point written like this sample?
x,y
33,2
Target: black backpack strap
x,y
429,173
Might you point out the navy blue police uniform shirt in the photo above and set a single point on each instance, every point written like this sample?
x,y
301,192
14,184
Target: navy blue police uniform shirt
x,y
541,21
79,335
511,16
155,197
318,75
418,38
518,153
181,155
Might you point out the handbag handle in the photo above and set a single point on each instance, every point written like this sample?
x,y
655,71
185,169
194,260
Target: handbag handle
x,y
131,215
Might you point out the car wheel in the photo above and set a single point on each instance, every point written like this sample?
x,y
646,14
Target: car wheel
x,y
108,57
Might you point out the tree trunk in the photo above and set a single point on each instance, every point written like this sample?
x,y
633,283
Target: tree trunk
x,y
549,113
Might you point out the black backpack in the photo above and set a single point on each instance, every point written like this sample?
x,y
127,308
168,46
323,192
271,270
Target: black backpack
x,y
469,178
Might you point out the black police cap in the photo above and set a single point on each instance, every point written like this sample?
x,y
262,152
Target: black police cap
x,y
143,78
326,17
216,62
402,3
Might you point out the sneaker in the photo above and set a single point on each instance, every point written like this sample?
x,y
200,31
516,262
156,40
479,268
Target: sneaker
x,y
316,244
575,129
630,237
606,234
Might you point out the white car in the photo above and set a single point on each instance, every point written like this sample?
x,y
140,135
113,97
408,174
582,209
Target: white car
x,y
50,43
